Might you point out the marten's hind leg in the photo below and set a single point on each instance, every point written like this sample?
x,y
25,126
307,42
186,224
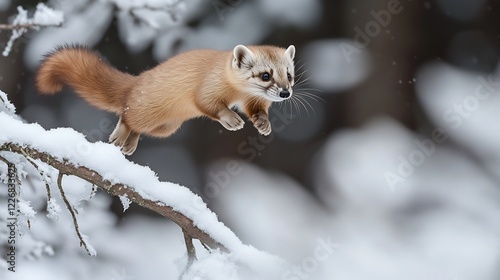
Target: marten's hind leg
x,y
119,136
131,144
124,138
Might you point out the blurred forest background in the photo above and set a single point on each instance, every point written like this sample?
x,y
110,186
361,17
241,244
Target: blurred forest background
x,y
362,163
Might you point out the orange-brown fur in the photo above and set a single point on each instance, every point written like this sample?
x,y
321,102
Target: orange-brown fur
x,y
192,84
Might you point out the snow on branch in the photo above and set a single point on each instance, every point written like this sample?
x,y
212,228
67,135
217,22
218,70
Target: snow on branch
x,y
43,17
65,167
104,166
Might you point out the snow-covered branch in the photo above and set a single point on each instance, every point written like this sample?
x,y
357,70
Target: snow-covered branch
x,y
117,189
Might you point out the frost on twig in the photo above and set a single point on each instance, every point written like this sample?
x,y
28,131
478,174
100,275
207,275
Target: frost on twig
x,y
43,17
5,105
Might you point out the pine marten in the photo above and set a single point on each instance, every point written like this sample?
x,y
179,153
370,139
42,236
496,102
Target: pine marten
x,y
189,85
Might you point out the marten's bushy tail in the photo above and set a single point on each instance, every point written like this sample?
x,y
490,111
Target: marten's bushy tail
x,y
88,74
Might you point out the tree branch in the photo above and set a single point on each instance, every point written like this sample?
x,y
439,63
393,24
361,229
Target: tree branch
x,y
93,177
191,251
190,248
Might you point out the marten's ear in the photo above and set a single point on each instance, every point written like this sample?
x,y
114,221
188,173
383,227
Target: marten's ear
x,y
290,52
242,56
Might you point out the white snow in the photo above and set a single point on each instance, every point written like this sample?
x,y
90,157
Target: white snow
x,y
465,105
47,16
53,209
125,202
140,22
25,209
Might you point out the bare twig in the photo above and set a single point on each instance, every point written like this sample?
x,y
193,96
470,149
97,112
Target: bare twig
x,y
118,189
191,252
190,249
42,174
72,212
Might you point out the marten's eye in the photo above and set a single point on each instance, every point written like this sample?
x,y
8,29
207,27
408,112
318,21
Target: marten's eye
x,y
265,77
289,77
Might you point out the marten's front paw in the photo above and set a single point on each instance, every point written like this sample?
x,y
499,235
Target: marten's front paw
x,y
232,121
262,123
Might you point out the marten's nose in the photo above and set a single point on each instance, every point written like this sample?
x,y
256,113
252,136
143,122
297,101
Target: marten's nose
x,y
284,93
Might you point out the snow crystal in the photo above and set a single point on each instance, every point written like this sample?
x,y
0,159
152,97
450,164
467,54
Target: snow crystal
x,y
53,209
26,209
125,202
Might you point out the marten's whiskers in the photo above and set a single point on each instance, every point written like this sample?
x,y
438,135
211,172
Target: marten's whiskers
x,y
303,95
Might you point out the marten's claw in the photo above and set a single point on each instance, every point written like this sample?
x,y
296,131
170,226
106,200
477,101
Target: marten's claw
x,y
263,126
262,123
232,122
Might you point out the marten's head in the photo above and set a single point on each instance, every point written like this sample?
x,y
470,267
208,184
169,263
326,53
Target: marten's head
x,y
265,71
